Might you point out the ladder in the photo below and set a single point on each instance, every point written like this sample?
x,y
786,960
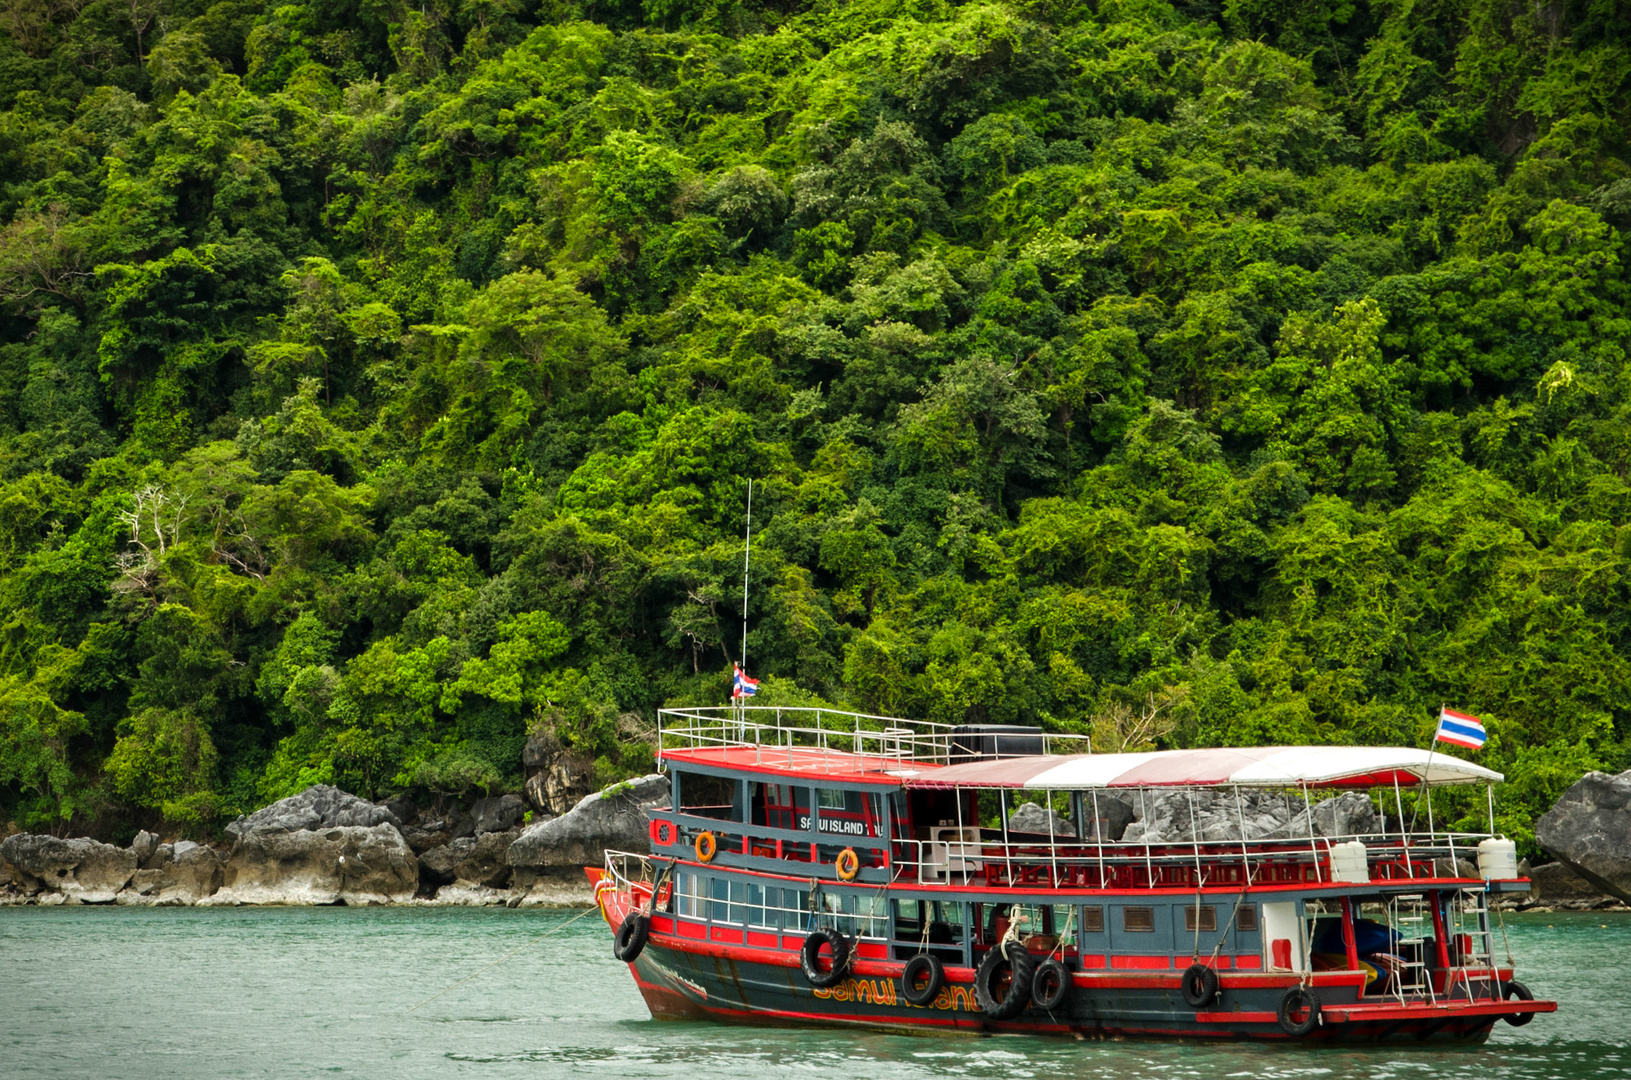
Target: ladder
x,y
1469,922
1409,918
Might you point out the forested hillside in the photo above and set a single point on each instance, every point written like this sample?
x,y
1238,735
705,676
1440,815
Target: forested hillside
x,y
380,382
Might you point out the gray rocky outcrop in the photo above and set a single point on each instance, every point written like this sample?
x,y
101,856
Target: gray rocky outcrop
x,y
351,864
472,861
1589,831
1183,816
188,874
81,870
1035,818
558,776
320,806
611,819
1554,885
498,814
144,845
426,835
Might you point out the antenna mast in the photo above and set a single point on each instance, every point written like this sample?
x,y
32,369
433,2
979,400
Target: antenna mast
x,y
747,550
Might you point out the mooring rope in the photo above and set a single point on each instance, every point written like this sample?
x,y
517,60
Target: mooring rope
x,y
581,915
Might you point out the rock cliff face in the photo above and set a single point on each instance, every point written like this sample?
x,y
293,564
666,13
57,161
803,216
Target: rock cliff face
x,y
81,870
318,807
1589,831
1179,817
351,864
614,818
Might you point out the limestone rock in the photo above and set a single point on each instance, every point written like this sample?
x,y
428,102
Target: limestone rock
x,y
144,845
350,864
402,808
160,856
1034,818
536,795
611,819
436,865
1589,830
423,837
497,814
319,807
84,871
1112,813
1555,885
1183,816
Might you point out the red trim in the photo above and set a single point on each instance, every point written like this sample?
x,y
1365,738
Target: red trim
x,y
691,929
1141,963
1236,1017
763,940
1092,961
1248,963
729,935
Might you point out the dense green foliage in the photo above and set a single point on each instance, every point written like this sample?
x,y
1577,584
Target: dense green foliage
x,y
380,382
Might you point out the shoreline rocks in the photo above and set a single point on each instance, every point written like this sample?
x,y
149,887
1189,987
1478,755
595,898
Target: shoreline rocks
x,y
326,846
1589,831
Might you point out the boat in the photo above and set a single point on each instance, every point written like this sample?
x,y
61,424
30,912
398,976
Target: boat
x,y
817,867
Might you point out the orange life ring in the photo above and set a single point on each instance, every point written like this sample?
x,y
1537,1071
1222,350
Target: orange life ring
x,y
707,846
848,864
662,833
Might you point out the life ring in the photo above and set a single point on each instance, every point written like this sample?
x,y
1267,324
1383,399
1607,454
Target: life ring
x,y
1510,989
810,957
848,864
924,969
1295,1000
1199,986
707,846
631,937
998,999
662,833
1050,986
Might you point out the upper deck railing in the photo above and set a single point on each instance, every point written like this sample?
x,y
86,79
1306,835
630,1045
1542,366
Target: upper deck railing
x,y
829,740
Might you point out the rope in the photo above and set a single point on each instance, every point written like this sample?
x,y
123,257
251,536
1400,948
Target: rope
x,y
506,956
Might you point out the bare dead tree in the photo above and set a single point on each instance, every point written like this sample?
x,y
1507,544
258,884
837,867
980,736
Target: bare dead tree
x,y
154,519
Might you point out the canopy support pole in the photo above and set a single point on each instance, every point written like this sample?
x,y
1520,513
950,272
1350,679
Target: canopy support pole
x,y
1007,862
1245,852
1098,836
1313,844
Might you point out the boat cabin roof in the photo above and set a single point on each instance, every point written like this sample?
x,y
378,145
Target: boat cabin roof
x,y
1260,767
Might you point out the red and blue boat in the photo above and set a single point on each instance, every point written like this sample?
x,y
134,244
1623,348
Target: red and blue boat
x,y
827,868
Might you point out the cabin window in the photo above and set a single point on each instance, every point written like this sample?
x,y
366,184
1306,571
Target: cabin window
x,y
1093,919
1138,919
856,916
945,919
1203,917
709,796
1246,919
688,900
780,806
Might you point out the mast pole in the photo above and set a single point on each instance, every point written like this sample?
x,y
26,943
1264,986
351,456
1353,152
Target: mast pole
x,y
747,551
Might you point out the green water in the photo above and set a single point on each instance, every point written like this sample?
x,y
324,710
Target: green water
x,y
314,992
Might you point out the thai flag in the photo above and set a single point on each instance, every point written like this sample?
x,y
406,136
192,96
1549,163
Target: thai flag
x,y
744,686
1461,729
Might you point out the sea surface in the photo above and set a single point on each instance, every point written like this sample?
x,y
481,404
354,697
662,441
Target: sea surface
x,y
291,993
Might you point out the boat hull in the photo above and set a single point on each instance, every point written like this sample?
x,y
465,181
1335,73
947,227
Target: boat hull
x,y
684,978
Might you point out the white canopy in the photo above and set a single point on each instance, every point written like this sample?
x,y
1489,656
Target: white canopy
x,y
1265,767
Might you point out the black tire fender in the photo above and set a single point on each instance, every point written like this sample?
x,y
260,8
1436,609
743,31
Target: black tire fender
x,y
1019,967
631,937
1296,999
810,957
1050,985
1510,989
1199,986
927,969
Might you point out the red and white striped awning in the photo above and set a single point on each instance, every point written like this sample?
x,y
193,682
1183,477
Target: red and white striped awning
x,y
1258,767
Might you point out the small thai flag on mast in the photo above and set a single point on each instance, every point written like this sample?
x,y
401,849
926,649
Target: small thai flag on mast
x,y
1460,729
743,686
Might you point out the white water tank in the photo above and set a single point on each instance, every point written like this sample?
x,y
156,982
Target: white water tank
x,y
1349,862
1497,860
